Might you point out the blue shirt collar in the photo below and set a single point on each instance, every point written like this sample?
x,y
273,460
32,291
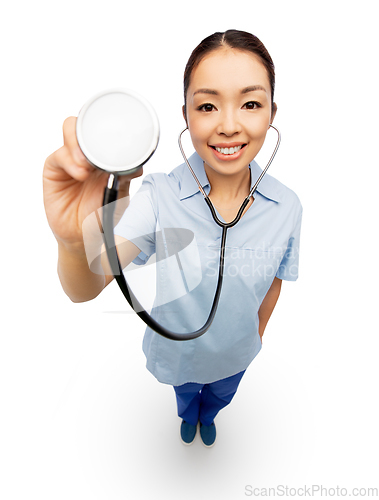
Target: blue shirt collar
x,y
189,187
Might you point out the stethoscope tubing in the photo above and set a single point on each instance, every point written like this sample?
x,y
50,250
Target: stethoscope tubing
x,y
110,196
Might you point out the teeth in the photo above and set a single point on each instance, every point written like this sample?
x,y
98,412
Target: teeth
x,y
228,151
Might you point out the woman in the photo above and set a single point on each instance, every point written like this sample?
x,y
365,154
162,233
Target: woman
x,y
228,108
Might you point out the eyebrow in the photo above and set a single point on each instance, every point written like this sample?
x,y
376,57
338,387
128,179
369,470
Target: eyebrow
x,y
253,88
246,90
206,91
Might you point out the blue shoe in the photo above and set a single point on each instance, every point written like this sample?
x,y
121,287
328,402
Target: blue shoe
x,y
187,432
208,434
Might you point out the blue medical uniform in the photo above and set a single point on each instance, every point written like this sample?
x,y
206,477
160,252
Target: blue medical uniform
x,y
202,402
170,223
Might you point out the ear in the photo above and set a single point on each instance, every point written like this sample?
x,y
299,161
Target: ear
x,y
273,112
184,114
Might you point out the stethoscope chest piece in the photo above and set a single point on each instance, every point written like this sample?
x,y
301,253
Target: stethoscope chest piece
x,y
118,131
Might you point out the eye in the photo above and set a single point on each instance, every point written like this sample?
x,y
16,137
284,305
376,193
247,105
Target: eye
x,y
206,107
251,105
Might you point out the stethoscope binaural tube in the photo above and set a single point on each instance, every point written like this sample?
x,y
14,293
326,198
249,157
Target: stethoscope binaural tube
x,y
110,196
252,191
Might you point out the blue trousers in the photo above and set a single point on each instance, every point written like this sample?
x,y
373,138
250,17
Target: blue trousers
x,y
202,402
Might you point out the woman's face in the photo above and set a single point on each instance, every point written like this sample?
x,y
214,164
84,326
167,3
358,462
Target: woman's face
x,y
229,109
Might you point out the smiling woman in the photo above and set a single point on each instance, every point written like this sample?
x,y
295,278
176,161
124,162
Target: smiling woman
x,y
228,108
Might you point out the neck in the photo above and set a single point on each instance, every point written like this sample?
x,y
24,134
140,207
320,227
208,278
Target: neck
x,y
227,190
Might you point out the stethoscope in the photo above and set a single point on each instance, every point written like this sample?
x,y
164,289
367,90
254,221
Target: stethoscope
x,y
118,132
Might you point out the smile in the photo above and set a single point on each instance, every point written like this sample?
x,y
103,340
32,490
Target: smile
x,y
228,151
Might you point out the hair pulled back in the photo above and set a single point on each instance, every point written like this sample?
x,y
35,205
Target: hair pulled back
x,y
234,39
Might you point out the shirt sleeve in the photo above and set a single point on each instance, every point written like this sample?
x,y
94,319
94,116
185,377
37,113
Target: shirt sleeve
x,y
289,266
139,221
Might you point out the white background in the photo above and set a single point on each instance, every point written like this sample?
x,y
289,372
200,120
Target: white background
x,y
81,417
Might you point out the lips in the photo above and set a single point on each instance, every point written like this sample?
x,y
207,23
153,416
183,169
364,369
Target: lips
x,y
228,151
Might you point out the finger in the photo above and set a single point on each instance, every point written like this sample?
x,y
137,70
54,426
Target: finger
x,y
137,174
60,166
124,182
71,142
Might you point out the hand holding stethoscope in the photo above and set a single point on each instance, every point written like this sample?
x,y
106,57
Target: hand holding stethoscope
x,y
74,189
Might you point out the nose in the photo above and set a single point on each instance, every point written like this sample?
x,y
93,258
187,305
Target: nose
x,y
229,124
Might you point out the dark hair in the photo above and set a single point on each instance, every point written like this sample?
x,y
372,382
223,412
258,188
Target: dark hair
x,y
234,39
